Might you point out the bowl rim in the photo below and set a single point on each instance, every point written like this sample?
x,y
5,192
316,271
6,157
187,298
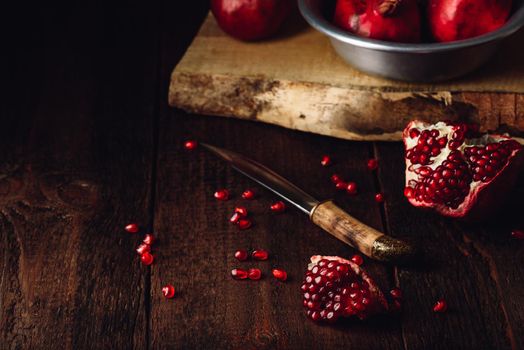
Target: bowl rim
x,y
515,22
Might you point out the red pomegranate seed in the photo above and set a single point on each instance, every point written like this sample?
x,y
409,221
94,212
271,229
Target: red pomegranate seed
x,y
168,291
357,259
351,188
335,178
242,211
147,258
190,145
279,274
248,194
440,306
254,274
235,218
149,239
239,274
260,254
517,234
131,228
222,195
379,198
372,164
341,185
143,248
241,255
326,160
244,224
396,293
278,207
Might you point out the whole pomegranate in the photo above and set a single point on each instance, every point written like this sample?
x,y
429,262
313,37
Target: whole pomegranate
x,y
335,287
456,171
390,20
451,20
251,19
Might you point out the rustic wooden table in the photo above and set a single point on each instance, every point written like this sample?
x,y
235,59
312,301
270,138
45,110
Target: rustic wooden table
x,y
88,144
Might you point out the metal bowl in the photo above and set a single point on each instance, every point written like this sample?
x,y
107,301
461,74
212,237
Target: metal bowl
x,y
427,62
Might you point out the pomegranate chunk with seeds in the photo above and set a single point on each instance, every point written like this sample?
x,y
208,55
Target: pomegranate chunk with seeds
x,y
456,171
335,287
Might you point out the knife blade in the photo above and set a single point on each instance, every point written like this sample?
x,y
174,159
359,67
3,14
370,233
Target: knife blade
x,y
325,214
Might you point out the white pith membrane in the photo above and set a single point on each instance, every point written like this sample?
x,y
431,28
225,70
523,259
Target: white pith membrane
x,y
446,130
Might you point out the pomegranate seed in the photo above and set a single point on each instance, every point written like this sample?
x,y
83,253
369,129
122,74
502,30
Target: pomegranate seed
x,y
131,228
280,275
168,291
241,211
372,164
143,248
239,274
351,188
335,178
222,195
241,255
147,258
396,293
409,192
326,161
235,218
248,194
357,259
244,224
149,239
440,306
379,198
517,234
254,274
341,185
278,207
260,254
190,145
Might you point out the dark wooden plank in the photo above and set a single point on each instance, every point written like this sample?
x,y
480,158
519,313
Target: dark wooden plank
x,y
76,156
476,268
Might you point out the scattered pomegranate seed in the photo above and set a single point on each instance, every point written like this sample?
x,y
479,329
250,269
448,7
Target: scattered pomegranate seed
x,y
351,188
517,234
278,207
242,211
143,248
235,218
222,195
379,198
372,164
396,293
241,255
131,228
326,161
149,239
147,258
248,194
440,306
254,274
341,185
239,274
244,224
168,291
357,259
260,254
190,145
280,275
335,178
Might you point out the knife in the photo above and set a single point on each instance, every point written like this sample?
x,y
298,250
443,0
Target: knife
x,y
325,214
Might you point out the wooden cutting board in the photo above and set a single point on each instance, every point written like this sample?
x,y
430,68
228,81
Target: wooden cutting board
x,y
297,81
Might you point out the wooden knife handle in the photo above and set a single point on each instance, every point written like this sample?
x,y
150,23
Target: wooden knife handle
x,y
369,241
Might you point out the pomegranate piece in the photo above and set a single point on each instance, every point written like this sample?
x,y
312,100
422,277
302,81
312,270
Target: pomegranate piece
x,y
517,234
260,254
251,19
372,164
248,194
190,145
241,255
242,211
279,274
334,287
357,259
254,274
455,171
440,306
244,224
379,198
168,291
351,188
278,207
149,239
239,274
326,161
131,228
222,195
147,258
143,248
451,20
390,20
